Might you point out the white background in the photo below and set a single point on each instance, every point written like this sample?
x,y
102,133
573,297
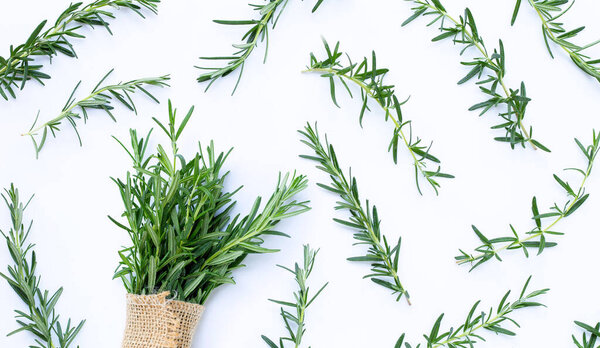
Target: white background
x,y
77,244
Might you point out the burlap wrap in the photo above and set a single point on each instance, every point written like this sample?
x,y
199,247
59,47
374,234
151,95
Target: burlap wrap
x,y
153,321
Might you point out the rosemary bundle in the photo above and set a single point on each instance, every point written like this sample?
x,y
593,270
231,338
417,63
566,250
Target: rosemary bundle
x,y
590,336
549,12
536,237
488,69
302,300
370,79
40,318
19,66
382,256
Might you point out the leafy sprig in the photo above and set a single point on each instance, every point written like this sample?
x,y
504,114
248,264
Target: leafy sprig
x,y
19,66
549,12
382,256
100,98
536,237
589,338
467,334
295,322
40,318
370,79
488,69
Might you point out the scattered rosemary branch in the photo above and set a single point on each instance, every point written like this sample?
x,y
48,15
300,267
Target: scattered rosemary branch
x,y
382,256
588,342
40,318
489,70
369,78
549,12
302,300
17,68
259,31
469,333
178,219
99,98
536,238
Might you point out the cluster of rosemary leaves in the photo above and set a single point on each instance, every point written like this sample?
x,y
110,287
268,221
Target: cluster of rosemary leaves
x,y
40,318
589,338
549,12
370,79
469,332
382,256
536,238
99,98
295,322
259,31
19,66
178,218
488,69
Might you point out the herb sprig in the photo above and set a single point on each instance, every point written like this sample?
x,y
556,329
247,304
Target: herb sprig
x,y
488,69
295,322
19,67
100,98
536,238
469,333
382,256
40,318
370,79
588,341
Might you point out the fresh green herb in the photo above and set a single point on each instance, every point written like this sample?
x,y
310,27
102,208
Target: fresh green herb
x,y
17,68
40,318
259,31
99,98
381,255
302,299
370,78
549,12
489,70
536,238
468,333
178,218
587,341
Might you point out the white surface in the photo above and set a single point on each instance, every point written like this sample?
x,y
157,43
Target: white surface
x,y
77,244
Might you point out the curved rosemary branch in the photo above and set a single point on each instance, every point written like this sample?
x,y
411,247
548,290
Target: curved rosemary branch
x,y
464,31
468,333
549,11
302,300
369,78
41,318
536,238
17,68
381,255
99,98
588,341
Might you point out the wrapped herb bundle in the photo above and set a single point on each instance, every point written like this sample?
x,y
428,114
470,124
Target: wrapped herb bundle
x,y
184,241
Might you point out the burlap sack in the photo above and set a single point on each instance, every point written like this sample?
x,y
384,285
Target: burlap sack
x,y
153,321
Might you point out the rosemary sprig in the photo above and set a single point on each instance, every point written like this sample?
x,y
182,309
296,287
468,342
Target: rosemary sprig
x,y
99,98
17,68
588,341
259,31
549,12
302,300
489,70
370,79
381,255
469,333
536,238
178,218
40,318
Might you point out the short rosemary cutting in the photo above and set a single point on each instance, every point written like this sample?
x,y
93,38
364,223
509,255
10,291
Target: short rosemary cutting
x,y
470,332
589,338
100,98
178,218
19,66
536,237
295,322
40,318
488,69
382,256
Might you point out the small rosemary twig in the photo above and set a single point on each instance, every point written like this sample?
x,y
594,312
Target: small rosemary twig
x,y
588,341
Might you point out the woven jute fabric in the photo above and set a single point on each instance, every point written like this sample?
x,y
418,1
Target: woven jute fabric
x,y
153,321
